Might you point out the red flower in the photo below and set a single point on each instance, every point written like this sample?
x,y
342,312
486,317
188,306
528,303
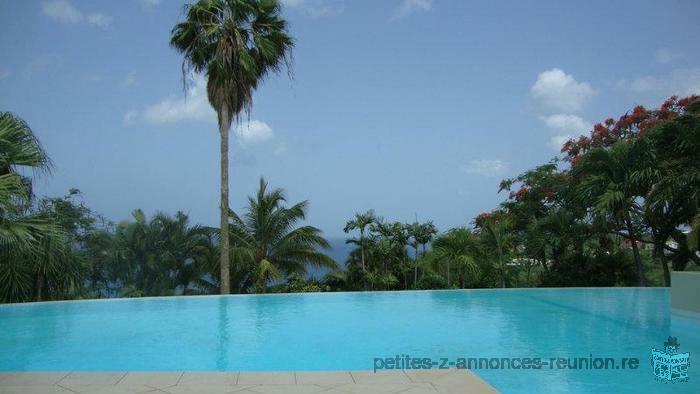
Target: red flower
x,y
575,160
521,193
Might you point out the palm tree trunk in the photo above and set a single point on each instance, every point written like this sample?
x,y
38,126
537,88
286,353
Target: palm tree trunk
x,y
415,269
503,277
501,268
224,125
664,265
635,250
448,273
39,285
362,249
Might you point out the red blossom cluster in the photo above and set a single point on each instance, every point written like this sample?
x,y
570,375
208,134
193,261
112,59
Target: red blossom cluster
x,y
484,217
521,194
629,126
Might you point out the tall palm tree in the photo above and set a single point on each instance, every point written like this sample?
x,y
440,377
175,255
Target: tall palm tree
x,y
267,238
361,222
236,43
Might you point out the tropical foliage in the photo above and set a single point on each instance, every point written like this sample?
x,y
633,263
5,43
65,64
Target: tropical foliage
x,y
621,208
268,245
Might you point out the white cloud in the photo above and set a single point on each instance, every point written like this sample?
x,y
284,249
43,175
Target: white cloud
x,y
254,131
99,20
485,167
150,3
565,126
194,106
641,84
64,12
316,8
560,91
566,123
408,7
681,82
666,55
4,73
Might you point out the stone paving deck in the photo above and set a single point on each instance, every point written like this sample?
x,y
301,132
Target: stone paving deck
x,y
336,382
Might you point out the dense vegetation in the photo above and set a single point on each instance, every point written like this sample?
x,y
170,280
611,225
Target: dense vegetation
x,y
619,209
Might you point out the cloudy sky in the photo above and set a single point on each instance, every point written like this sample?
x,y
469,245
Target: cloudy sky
x,y
416,108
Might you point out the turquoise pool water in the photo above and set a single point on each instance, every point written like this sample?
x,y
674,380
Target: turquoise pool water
x,y
341,331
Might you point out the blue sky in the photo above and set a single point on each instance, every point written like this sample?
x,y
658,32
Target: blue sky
x,y
416,108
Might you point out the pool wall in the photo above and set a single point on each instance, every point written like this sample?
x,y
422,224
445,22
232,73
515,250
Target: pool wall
x,y
685,291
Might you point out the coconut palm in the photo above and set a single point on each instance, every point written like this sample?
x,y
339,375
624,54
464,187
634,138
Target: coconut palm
x,y
236,43
267,239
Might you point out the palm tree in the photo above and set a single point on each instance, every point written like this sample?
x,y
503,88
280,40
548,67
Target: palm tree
x,y
459,246
236,43
670,177
425,234
267,238
19,148
498,242
361,222
31,244
606,186
160,255
419,234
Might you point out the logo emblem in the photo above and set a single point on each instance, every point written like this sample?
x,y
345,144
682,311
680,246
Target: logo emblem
x,y
669,365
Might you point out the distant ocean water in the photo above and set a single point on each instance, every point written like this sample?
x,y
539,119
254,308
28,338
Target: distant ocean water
x,y
339,252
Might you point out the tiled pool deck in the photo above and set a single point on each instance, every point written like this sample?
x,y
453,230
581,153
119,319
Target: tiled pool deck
x,y
382,382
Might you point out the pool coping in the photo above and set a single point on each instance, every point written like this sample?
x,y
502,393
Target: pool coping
x,y
302,382
194,296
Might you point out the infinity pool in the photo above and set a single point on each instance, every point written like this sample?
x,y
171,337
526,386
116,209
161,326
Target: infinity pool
x,y
347,331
